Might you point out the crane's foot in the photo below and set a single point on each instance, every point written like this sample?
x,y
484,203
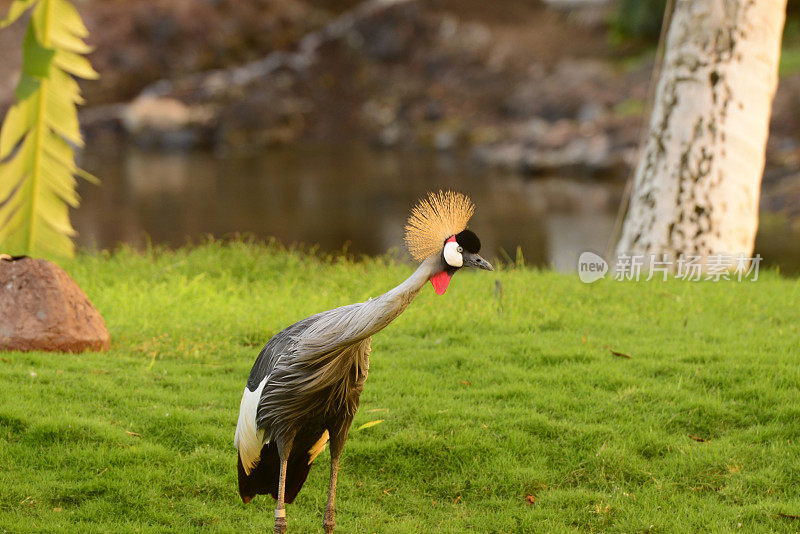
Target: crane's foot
x,y
328,521
280,521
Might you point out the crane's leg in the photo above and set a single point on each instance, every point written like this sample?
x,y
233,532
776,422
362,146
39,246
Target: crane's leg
x,y
328,521
284,449
338,439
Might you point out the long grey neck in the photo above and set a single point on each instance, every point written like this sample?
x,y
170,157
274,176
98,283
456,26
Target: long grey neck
x,y
356,322
380,311
412,285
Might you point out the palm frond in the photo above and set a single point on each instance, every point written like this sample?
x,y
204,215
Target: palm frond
x,y
37,163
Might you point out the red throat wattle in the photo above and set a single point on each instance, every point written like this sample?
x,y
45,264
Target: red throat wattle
x,y
440,281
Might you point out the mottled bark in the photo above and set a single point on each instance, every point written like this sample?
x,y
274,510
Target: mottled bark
x,y
696,187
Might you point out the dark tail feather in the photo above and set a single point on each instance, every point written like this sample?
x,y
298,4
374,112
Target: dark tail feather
x,y
260,480
263,479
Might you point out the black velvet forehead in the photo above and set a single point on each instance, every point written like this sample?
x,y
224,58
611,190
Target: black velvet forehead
x,y
469,241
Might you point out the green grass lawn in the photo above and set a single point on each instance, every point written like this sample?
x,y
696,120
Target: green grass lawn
x,y
503,411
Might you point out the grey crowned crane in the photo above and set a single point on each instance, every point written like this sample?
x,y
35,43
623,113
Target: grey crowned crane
x,y
304,387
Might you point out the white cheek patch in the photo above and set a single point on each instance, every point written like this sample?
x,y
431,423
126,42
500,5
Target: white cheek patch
x,y
451,254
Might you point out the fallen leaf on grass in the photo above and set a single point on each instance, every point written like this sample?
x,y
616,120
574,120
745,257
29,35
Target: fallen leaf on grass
x,y
619,354
378,410
696,438
585,336
5,360
132,433
466,383
369,424
530,499
790,516
58,509
603,446
457,499
598,509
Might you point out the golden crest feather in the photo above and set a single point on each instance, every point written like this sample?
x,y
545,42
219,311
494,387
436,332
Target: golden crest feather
x,y
435,219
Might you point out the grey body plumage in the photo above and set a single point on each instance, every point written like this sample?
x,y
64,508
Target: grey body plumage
x,y
318,365
306,382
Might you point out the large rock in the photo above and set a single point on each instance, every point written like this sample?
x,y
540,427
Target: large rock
x,y
42,308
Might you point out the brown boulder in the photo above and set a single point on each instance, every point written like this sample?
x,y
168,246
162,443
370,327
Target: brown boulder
x,y
42,308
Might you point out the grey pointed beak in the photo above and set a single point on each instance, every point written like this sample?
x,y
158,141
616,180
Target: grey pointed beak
x,y
474,260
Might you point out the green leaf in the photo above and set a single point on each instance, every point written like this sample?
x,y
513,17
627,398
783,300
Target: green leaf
x,y
40,22
75,64
36,59
37,164
89,177
61,153
67,16
15,127
67,20
26,87
15,170
18,7
62,115
58,25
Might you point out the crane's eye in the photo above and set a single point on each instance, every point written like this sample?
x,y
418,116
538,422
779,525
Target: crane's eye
x,y
460,249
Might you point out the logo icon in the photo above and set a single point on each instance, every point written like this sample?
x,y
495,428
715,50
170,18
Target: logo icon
x,y
591,267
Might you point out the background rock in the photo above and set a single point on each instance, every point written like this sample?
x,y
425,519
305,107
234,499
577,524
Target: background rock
x,y
42,308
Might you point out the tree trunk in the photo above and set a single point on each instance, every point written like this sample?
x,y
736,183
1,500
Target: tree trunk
x,y
696,187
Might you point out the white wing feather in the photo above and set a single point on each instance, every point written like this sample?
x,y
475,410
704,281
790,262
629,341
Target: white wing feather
x,y
248,438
